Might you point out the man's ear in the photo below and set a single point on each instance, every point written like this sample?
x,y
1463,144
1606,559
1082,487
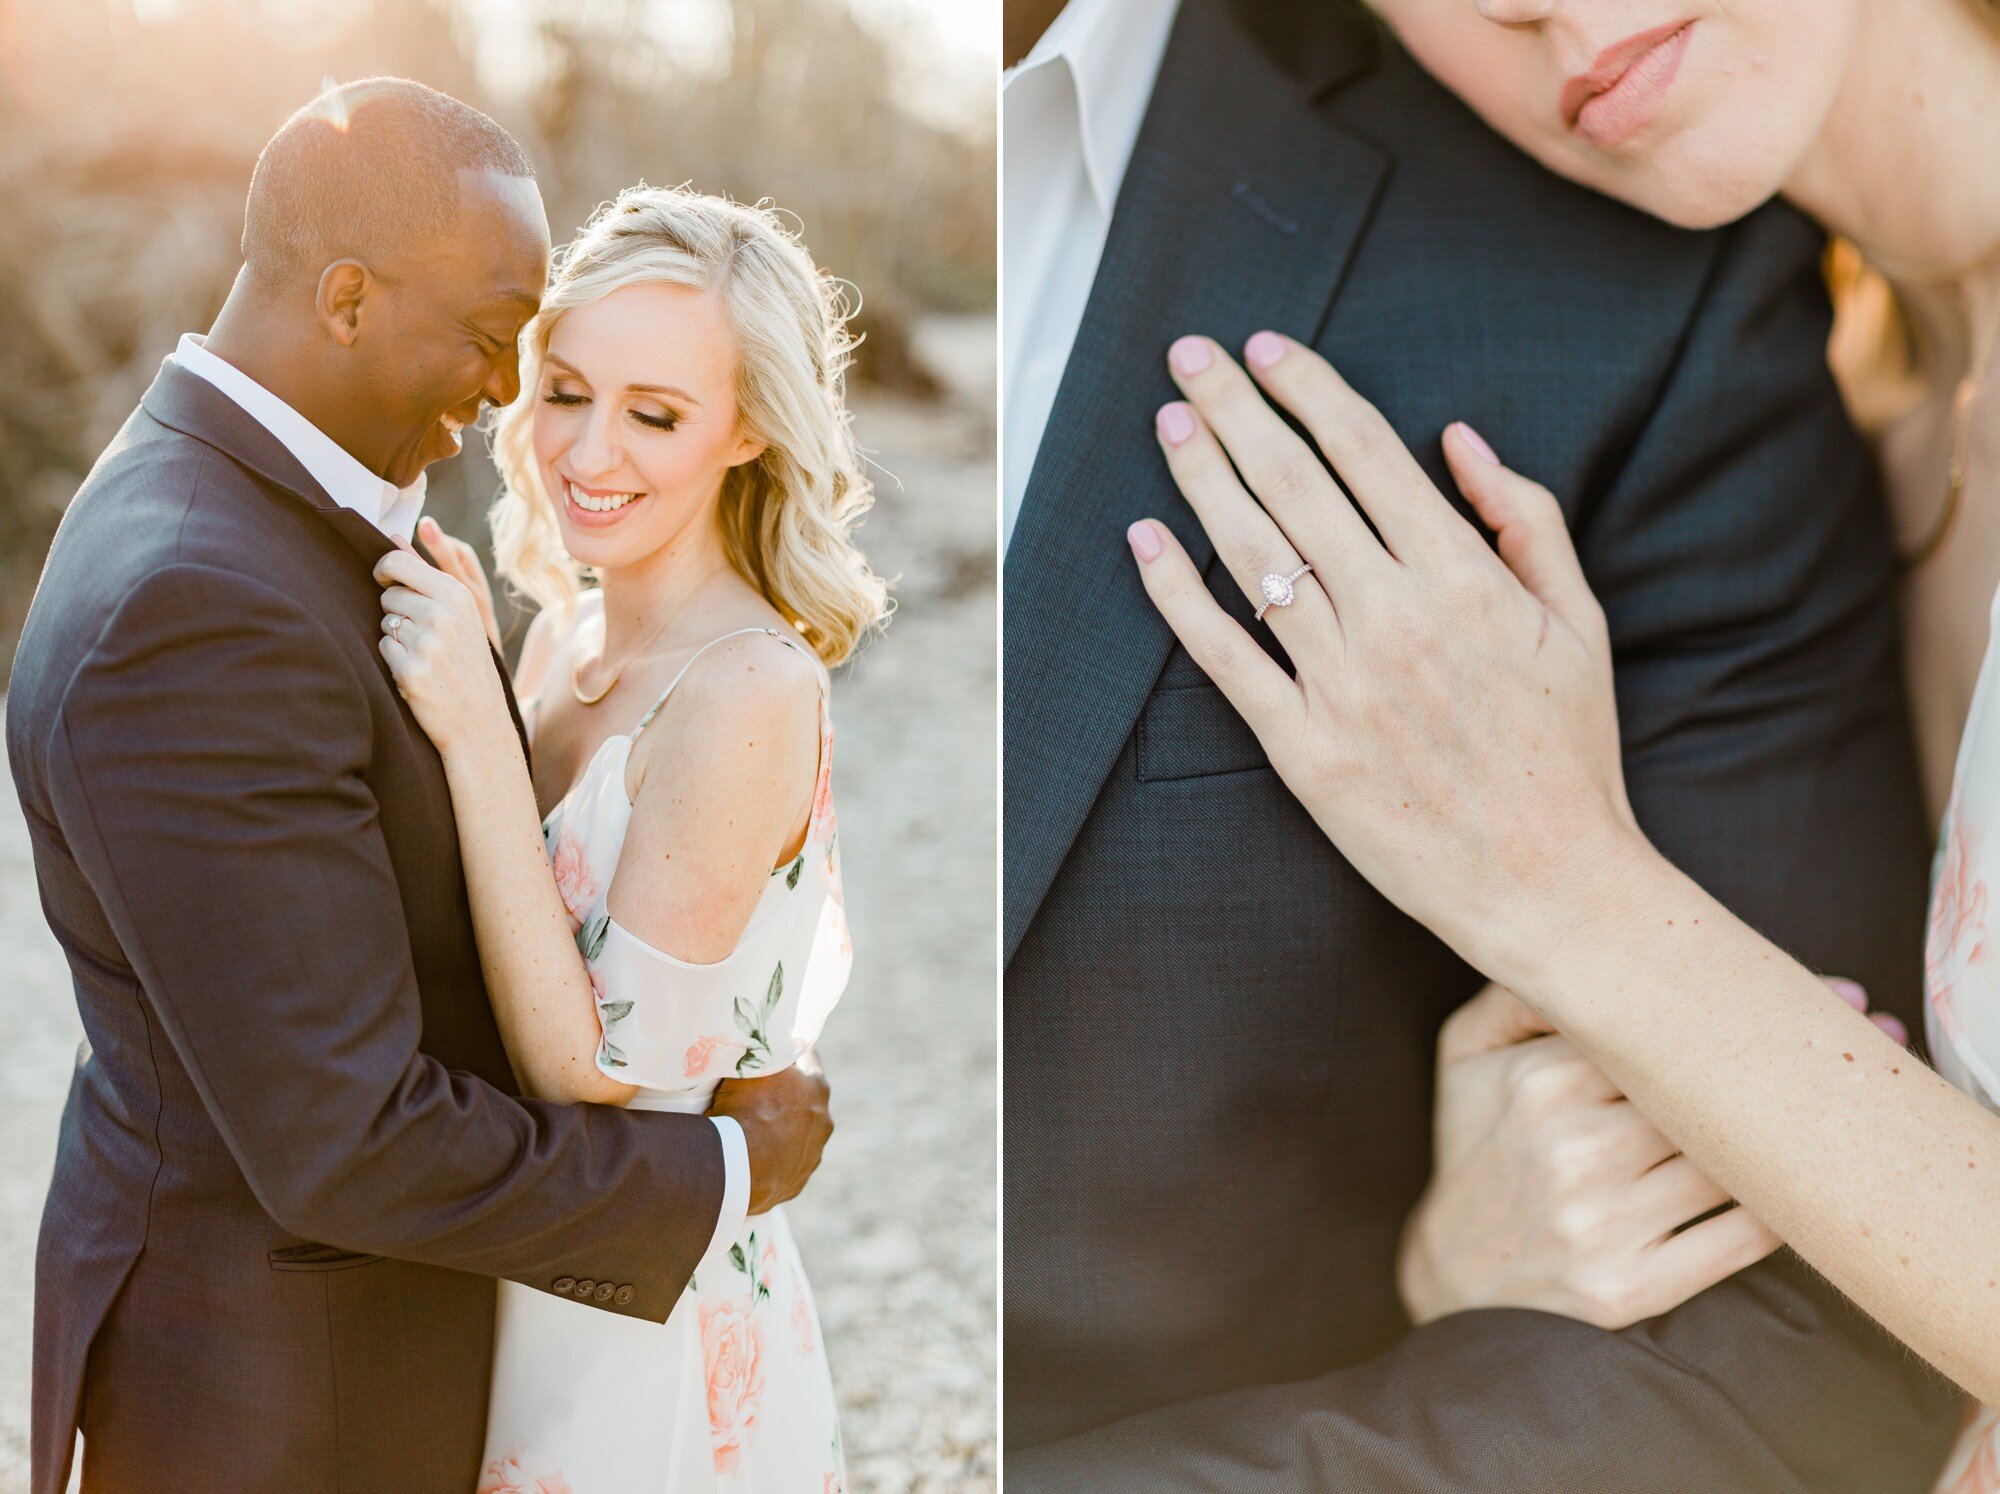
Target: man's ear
x,y
344,289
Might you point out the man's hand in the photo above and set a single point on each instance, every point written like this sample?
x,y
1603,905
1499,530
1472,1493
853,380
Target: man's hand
x,y
1552,1191
785,1126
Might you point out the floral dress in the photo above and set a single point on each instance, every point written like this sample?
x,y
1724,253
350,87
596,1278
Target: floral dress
x,y
732,1393
1962,976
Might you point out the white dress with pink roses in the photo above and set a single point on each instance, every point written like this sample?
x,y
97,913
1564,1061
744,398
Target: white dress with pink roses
x,y
732,1393
1962,973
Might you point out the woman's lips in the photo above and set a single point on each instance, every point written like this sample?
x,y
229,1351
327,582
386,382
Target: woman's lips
x,y
1626,86
599,517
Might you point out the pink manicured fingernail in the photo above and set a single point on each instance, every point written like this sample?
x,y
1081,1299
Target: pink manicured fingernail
x,y
1190,355
1263,349
1144,541
1849,991
1478,443
1175,423
1898,1033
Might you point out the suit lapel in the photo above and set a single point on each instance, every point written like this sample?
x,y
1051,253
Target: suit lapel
x,y
193,406
1240,209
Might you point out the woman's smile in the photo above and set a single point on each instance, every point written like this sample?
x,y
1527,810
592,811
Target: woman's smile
x,y
595,508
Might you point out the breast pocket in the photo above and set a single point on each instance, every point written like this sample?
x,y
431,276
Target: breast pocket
x,y
1190,730
310,1257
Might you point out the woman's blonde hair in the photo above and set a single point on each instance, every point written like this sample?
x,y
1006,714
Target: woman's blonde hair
x,y
788,515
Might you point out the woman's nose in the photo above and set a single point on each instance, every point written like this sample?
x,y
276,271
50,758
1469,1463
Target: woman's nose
x,y
596,452
1516,12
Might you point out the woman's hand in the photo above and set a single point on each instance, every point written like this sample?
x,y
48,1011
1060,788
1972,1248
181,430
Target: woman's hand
x,y
460,561
1451,726
1550,1190
436,645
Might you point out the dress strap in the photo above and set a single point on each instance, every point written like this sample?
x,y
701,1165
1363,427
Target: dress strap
x,y
818,668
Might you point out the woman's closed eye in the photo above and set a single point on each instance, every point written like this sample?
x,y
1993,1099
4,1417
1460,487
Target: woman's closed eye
x,y
658,421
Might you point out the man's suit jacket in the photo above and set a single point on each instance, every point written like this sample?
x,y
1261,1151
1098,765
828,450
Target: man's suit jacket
x,y
1219,1037
290,1166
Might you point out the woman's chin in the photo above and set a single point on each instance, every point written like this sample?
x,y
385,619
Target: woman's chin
x,y
1702,181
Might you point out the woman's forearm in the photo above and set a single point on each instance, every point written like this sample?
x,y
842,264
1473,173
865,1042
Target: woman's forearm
x,y
1877,1171
535,976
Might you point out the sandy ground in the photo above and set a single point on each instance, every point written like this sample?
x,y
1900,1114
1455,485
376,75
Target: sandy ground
x,y
898,1228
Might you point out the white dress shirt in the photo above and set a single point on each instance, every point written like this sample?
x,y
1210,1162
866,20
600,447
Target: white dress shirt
x,y
390,509
394,511
1071,110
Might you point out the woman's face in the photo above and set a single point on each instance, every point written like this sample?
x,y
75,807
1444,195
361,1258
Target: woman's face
x,y
636,421
1696,111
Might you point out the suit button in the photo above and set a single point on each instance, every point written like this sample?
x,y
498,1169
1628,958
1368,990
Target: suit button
x,y
585,1287
624,1296
604,1291
563,1284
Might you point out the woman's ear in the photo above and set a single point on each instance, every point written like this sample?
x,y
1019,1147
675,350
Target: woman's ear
x,y
343,291
748,449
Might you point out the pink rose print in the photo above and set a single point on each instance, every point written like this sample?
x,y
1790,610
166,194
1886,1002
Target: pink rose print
x,y
802,1325
733,1358
823,790
596,983
1982,1470
831,1485
701,1053
1958,913
510,1475
573,879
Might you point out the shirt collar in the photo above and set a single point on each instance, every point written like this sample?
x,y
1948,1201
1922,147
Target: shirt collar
x,y
1113,50
392,510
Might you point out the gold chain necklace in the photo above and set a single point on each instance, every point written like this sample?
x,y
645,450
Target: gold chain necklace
x,y
1964,401
576,668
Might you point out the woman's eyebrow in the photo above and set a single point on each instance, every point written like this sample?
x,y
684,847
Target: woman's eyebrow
x,y
662,389
677,393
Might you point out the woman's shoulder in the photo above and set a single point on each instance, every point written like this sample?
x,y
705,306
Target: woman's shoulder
x,y
761,679
747,709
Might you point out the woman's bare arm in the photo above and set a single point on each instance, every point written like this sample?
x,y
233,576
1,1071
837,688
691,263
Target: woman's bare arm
x,y
1451,728
535,975
727,774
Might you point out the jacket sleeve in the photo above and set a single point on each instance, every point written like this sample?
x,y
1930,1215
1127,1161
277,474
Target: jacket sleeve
x,y
209,772
1742,557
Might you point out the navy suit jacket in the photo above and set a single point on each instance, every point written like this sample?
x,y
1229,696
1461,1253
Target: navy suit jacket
x,y
292,1161
1219,1037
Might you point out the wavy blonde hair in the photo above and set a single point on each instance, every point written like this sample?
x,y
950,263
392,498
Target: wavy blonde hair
x,y
788,516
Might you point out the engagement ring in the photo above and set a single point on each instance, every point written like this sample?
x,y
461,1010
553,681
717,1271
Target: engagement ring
x,y
1278,591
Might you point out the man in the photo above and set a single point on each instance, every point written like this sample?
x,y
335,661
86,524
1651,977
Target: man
x,y
291,1161
1219,1038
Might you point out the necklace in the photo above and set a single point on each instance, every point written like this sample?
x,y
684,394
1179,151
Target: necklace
x,y
576,669
1964,401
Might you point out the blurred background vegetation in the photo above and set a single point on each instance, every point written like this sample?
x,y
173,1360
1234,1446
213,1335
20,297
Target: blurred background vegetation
x,y
128,129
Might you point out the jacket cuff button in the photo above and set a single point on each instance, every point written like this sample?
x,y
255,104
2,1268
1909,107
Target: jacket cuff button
x,y
625,1296
563,1284
585,1287
604,1291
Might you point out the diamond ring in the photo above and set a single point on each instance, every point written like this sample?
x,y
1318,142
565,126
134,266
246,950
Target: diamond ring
x,y
1278,590
395,622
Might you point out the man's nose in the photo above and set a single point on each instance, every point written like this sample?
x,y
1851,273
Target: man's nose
x,y
505,385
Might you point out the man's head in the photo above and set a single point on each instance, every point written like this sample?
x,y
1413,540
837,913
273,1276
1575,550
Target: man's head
x,y
396,239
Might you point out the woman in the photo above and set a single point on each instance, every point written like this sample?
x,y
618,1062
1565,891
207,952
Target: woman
x,y
1451,726
660,907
